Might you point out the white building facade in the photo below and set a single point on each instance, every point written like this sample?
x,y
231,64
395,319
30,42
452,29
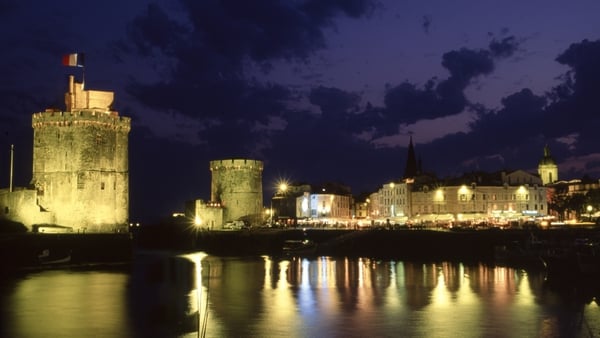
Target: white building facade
x,y
516,196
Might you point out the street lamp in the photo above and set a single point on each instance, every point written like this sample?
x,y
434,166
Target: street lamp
x,y
282,187
589,211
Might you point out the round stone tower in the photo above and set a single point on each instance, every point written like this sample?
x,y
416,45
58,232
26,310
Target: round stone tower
x,y
547,169
80,162
237,185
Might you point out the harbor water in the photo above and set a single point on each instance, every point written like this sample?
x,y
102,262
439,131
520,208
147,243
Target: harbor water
x,y
162,294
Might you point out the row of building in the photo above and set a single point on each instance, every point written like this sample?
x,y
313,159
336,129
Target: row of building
x,y
416,198
80,181
500,198
419,198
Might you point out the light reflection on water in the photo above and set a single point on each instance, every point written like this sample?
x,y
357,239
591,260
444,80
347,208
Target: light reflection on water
x,y
318,297
65,304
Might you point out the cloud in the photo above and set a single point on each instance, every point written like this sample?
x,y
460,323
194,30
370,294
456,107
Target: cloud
x,y
575,103
334,102
567,118
155,31
426,23
214,42
406,103
465,64
505,47
584,77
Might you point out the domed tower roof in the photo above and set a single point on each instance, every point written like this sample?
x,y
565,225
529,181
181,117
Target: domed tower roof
x,y
547,169
547,159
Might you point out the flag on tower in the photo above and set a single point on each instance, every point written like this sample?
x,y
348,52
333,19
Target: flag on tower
x,y
73,60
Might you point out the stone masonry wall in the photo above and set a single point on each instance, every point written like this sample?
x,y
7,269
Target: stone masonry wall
x,y
237,184
80,168
20,206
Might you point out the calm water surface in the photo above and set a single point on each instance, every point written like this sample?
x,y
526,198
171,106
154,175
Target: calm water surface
x,y
195,295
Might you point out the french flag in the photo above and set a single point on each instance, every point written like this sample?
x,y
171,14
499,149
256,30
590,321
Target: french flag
x,y
73,60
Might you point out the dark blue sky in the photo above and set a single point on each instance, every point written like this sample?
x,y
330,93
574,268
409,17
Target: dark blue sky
x,y
320,90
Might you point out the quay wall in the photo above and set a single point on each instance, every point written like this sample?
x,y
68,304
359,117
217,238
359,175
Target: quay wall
x,y
22,250
385,244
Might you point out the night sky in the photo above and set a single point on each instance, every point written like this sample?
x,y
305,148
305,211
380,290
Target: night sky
x,y
320,90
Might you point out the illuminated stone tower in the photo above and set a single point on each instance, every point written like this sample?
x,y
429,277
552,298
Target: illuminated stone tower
x,y
80,162
547,169
237,184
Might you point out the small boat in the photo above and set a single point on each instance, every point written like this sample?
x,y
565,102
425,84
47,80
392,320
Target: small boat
x,y
48,257
580,259
299,247
588,257
527,254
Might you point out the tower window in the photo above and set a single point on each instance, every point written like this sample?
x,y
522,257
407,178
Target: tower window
x,y
101,185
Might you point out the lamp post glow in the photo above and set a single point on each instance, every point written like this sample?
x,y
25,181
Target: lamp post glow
x,y
281,189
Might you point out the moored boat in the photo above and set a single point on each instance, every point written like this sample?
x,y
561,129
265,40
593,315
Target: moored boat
x,y
527,254
581,258
54,257
299,247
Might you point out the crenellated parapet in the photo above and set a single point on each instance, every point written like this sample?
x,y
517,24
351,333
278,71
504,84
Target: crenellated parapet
x,y
110,120
236,164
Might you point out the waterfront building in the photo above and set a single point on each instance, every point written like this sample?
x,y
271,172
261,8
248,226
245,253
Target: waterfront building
x,y
475,198
575,200
80,175
501,197
283,203
328,204
204,215
394,202
362,207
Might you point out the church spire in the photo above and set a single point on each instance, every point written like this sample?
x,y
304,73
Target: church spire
x,y
410,170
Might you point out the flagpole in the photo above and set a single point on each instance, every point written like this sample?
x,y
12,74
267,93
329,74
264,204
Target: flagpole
x,y
12,151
